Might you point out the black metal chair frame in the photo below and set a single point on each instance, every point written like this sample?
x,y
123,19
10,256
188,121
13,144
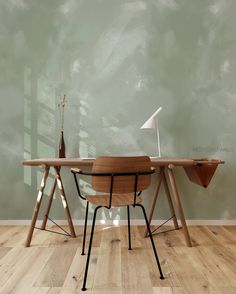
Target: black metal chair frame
x,y
136,193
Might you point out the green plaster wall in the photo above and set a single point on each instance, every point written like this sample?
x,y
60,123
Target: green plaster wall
x,y
117,61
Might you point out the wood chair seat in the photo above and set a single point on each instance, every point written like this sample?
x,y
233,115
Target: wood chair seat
x,y
117,199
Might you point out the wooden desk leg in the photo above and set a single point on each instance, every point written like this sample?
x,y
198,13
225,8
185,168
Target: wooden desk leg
x,y
171,206
178,204
37,206
64,201
45,218
156,193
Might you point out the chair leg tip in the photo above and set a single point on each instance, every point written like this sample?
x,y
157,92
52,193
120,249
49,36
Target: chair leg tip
x,y
83,289
82,253
162,278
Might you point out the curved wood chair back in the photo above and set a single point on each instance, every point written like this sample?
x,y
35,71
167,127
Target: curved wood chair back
x,y
118,165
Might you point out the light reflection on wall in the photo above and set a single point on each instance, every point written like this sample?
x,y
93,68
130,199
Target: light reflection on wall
x,y
39,124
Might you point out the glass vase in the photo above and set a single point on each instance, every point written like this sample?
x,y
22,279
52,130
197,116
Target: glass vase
x,y
62,146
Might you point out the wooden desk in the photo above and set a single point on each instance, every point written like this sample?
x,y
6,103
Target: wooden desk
x,y
199,171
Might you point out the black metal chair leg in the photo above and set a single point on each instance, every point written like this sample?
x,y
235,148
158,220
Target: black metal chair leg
x,y
128,216
85,228
89,249
153,245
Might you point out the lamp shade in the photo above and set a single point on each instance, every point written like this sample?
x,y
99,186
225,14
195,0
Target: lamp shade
x,y
150,123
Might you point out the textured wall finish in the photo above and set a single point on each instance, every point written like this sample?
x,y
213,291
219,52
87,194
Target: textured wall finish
x,y
117,61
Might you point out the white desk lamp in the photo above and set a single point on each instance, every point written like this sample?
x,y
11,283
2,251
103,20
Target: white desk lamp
x,y
152,123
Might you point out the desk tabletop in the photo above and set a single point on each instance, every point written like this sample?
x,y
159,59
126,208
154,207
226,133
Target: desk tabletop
x,y
80,162
68,162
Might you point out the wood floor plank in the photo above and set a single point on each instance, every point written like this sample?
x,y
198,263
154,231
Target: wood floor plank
x,y
148,258
54,263
108,280
13,261
4,251
231,231
216,268
200,236
74,277
171,279
136,265
169,290
221,235
3,230
167,236
16,238
162,290
225,256
43,290
12,236
38,290
54,290
225,290
28,271
190,278
55,270
133,271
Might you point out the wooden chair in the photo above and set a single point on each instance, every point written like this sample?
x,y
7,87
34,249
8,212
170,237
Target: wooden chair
x,y
120,181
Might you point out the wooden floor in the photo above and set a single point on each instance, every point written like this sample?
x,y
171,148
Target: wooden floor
x,y
54,265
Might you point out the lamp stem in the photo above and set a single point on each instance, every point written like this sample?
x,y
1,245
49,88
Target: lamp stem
x,y
158,139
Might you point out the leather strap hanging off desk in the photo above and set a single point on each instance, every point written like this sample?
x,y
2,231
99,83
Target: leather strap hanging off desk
x,y
202,172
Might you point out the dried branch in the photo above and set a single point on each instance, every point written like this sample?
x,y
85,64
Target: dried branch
x,y
61,106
